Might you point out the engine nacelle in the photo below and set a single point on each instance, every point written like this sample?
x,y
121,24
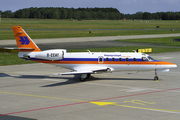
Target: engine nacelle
x,y
56,54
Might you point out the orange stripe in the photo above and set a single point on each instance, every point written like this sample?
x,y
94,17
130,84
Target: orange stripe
x,y
107,62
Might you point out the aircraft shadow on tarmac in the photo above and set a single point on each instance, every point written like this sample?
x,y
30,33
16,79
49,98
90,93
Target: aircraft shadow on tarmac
x,y
4,75
75,79
35,77
69,80
9,117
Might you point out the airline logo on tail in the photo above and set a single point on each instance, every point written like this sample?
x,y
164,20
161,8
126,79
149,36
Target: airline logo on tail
x,y
24,40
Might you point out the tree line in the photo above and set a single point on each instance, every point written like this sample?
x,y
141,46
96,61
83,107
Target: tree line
x,y
86,14
154,16
65,13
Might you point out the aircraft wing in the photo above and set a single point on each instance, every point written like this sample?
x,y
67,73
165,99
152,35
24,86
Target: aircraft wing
x,y
77,72
90,71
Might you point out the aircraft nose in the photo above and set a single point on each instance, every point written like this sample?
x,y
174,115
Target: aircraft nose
x,y
173,65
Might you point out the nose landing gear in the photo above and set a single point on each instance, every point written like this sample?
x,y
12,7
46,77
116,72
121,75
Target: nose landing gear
x,y
156,78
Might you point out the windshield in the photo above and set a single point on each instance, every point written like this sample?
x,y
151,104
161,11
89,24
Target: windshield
x,y
150,58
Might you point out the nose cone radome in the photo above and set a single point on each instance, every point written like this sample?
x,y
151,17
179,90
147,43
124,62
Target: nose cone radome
x,y
172,65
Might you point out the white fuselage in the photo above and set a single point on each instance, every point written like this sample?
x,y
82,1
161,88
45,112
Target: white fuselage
x,y
115,61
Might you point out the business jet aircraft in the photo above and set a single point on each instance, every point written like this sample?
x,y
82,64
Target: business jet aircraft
x,y
87,63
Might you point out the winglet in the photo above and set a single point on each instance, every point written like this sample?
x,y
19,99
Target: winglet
x,y
24,42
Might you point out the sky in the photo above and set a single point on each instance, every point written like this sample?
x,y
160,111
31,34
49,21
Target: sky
x,y
124,6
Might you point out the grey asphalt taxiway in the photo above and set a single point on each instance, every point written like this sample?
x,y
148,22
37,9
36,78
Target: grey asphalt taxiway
x,y
35,91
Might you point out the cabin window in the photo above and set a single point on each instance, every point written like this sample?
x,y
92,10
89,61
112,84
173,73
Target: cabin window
x,y
100,59
126,59
113,59
144,59
107,59
120,59
134,59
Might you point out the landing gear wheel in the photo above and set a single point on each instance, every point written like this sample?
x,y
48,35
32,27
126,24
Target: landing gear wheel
x,y
156,78
83,77
88,75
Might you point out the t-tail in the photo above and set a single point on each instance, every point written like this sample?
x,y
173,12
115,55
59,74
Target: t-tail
x,y
30,51
24,42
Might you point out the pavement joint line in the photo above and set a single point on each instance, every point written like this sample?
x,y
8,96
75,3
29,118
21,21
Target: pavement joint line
x,y
93,101
127,87
111,76
137,94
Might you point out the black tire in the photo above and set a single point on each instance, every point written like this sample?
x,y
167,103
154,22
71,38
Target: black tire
x,y
88,75
156,78
82,79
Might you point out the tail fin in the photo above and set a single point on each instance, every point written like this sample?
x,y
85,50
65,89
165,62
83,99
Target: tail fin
x,y
24,42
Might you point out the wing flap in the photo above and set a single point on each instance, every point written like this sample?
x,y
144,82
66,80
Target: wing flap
x,y
90,71
77,72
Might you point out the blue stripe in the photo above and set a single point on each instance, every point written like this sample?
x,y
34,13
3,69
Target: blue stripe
x,y
80,59
89,59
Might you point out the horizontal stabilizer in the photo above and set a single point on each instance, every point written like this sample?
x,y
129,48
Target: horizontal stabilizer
x,y
13,50
8,50
19,48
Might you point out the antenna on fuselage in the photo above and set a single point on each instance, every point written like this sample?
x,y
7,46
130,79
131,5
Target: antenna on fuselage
x,y
135,51
89,51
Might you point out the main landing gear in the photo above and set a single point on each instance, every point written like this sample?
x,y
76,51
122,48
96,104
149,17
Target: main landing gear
x,y
156,78
83,77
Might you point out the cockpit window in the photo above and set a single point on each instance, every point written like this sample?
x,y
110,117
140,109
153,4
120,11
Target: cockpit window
x,y
150,58
144,59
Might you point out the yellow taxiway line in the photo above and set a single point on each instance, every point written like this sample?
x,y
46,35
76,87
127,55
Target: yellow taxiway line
x,y
97,103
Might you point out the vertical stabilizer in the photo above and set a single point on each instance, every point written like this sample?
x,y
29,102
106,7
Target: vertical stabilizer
x,y
24,42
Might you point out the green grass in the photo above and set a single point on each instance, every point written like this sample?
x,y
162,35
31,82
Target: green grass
x,y
160,41
7,23
12,59
34,34
88,25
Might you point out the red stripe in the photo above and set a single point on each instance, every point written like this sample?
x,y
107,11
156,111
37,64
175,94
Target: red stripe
x,y
43,108
88,101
